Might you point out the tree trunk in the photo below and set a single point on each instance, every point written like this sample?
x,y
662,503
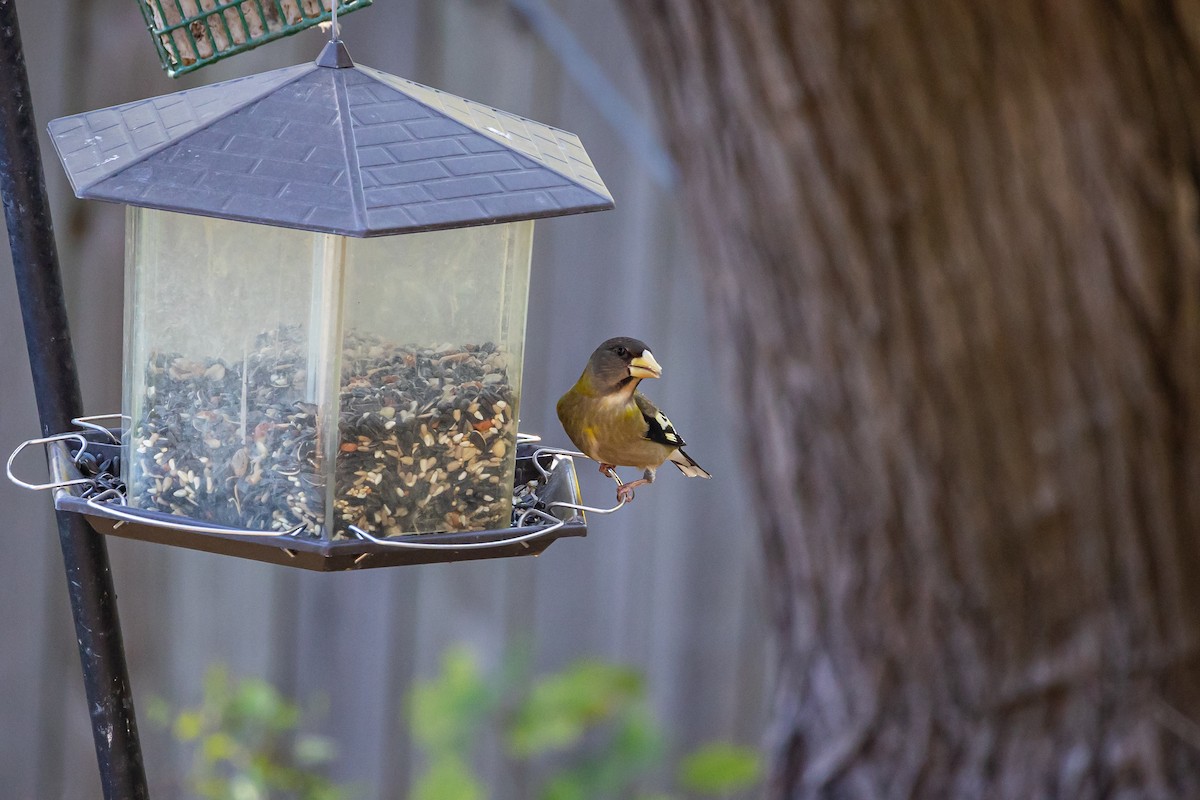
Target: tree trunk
x,y
953,250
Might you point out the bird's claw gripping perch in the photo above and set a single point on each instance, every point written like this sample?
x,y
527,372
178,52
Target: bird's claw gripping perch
x,y
625,490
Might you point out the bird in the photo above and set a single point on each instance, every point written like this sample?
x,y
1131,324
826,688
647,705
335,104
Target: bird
x,y
611,422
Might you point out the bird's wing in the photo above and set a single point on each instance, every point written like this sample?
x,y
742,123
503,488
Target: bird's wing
x,y
658,427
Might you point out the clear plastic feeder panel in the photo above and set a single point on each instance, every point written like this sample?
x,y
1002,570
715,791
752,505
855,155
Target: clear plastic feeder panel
x,y
276,377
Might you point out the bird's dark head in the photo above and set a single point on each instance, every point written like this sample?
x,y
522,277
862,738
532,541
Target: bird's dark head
x,y
621,361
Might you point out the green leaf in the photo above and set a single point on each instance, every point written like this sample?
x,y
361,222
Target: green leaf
x,y
311,750
244,748
631,750
720,768
532,734
636,747
446,712
262,769
639,742
325,791
212,788
257,702
561,707
243,788
449,778
189,725
218,747
567,786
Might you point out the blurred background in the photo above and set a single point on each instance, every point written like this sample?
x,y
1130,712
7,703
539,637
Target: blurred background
x,y
669,587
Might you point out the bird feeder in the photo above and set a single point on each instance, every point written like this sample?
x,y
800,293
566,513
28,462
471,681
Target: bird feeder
x,y
327,272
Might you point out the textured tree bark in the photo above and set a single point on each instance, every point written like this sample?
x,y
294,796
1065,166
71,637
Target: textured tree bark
x,y
953,249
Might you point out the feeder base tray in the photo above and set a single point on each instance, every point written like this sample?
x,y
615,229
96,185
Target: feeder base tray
x,y
558,485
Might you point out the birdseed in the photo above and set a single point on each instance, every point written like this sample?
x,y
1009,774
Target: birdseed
x,y
426,438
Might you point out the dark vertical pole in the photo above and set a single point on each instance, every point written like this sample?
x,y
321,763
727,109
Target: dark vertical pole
x,y
56,384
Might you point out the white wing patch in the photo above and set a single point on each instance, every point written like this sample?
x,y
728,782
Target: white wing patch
x,y
668,429
659,429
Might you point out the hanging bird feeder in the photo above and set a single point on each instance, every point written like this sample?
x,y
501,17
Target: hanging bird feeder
x,y
327,271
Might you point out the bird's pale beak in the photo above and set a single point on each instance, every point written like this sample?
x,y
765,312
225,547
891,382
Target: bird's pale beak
x,y
644,366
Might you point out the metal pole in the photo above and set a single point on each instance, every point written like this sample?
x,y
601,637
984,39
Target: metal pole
x,y
56,385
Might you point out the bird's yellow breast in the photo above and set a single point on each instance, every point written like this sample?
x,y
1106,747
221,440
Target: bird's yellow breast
x,y
589,434
610,429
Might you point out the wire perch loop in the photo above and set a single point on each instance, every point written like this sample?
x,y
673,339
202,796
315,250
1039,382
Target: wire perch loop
x,y
53,484
105,492
91,424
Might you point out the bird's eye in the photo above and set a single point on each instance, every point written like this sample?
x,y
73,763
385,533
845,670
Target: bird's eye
x,y
621,351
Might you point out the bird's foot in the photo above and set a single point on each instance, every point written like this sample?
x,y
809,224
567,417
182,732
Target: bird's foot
x,y
625,490
608,470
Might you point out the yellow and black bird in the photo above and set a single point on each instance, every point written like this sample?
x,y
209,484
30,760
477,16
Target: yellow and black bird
x,y
613,423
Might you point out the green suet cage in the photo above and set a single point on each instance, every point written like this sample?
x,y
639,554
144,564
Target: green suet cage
x,y
190,34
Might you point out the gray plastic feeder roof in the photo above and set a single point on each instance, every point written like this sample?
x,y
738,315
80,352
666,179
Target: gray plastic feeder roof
x,y
339,149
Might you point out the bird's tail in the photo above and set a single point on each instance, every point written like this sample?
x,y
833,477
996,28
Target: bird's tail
x,y
687,466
